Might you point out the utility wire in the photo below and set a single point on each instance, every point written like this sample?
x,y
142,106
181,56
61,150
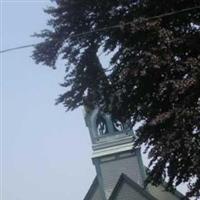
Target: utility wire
x,y
108,27
16,48
173,13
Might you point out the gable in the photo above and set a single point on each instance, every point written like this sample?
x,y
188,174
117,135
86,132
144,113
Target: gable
x,y
127,189
126,192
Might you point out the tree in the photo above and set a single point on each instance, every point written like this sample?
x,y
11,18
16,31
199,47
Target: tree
x,y
154,73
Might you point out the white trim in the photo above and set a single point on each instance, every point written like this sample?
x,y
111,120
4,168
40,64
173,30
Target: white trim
x,y
113,150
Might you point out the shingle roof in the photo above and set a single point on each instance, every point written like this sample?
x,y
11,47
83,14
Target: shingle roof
x,y
92,189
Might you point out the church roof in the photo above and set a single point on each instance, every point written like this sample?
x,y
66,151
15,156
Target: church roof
x,y
95,193
94,189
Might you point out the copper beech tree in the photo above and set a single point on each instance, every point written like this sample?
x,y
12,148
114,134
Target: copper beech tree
x,y
153,74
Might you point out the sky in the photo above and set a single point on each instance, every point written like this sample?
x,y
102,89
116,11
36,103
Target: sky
x,y
45,151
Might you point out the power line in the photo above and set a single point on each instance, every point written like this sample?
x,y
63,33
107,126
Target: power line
x,y
16,48
109,27
174,13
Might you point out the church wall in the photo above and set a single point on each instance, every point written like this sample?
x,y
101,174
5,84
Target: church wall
x,y
111,167
159,192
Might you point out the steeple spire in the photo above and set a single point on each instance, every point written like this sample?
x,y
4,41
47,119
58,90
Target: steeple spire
x,y
114,152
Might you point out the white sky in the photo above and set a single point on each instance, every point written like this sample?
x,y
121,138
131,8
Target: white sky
x,y
45,151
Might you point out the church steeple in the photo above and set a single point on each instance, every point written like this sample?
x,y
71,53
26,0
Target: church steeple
x,y
118,163
114,152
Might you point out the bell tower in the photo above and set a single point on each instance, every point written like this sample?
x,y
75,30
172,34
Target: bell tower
x,y
114,152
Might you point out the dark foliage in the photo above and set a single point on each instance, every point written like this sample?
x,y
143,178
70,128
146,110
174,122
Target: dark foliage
x,y
154,74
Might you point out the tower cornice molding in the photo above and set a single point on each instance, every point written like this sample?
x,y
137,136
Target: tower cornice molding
x,y
113,150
